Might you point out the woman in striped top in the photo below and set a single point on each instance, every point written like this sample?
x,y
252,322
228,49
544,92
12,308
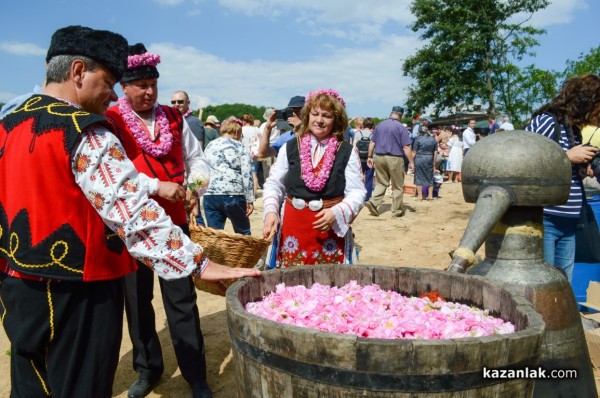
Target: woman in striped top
x,y
577,100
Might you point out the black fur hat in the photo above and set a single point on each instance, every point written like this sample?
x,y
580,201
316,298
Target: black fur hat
x,y
145,68
104,47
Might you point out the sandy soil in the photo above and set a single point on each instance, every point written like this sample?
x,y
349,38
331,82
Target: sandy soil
x,y
422,238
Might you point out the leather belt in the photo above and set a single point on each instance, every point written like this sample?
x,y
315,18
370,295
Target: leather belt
x,y
314,205
388,154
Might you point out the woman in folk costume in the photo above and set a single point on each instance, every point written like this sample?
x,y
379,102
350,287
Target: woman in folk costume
x,y
318,176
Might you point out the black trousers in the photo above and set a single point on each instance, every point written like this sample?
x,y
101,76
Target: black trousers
x,y
65,336
179,299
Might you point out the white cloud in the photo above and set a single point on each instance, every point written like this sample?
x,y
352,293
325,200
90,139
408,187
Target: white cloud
x,y
6,96
352,19
17,48
558,12
169,3
369,79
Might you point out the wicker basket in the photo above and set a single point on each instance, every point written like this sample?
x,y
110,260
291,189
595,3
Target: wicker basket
x,y
231,249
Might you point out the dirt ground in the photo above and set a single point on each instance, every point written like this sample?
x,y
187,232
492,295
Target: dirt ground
x,y
422,238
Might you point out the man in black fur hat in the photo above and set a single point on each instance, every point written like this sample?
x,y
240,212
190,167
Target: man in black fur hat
x,y
161,144
73,212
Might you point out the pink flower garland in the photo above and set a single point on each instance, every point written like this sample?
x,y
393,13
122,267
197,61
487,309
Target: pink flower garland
x,y
186,114
316,181
137,60
327,91
140,132
369,311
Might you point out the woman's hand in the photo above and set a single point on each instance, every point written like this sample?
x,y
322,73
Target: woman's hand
x,y
249,209
271,221
585,171
171,191
325,219
581,153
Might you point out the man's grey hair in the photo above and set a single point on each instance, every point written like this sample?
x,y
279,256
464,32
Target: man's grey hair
x,y
396,116
59,66
187,97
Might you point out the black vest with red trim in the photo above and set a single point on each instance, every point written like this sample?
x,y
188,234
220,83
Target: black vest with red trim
x,y
169,167
48,228
336,183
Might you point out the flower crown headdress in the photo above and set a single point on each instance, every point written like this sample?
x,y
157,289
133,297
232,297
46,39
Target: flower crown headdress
x,y
327,91
145,59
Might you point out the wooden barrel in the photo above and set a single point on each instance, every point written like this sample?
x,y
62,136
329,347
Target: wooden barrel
x,y
276,360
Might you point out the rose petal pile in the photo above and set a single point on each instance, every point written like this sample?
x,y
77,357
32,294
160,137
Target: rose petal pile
x,y
369,311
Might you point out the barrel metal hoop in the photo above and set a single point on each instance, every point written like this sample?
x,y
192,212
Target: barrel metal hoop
x,y
372,381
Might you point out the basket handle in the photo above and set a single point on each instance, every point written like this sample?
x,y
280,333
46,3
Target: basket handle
x,y
272,233
194,224
192,220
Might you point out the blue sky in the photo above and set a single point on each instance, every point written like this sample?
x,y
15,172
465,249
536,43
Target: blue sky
x,y
263,52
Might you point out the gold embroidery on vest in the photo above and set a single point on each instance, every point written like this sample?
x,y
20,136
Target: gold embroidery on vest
x,y
56,257
54,109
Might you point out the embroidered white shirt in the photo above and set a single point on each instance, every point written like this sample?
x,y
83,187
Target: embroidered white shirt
x,y
148,232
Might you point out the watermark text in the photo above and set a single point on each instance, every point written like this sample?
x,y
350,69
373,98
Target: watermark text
x,y
529,373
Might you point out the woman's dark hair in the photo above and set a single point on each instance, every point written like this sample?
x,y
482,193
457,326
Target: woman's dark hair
x,y
368,123
578,99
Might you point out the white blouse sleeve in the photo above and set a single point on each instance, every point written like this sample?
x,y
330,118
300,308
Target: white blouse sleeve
x,y
193,156
147,231
274,188
354,196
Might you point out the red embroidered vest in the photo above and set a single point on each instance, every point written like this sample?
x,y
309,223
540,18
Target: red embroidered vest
x,y
169,167
48,228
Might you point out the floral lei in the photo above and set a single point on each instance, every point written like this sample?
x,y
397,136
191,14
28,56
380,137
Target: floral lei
x,y
327,91
186,114
139,131
316,181
145,59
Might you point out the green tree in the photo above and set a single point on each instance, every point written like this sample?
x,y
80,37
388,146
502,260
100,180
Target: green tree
x,y
586,63
533,87
223,111
472,45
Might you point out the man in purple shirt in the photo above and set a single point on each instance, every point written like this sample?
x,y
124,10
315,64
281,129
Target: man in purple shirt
x,y
390,142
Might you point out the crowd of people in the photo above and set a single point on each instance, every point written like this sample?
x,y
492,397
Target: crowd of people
x,y
121,181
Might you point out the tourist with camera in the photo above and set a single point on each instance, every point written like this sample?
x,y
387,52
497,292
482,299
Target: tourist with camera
x,y
288,119
561,120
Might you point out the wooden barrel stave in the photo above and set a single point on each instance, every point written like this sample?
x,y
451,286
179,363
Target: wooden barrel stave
x,y
367,361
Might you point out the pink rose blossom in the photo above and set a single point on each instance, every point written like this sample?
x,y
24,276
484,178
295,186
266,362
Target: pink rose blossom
x,y
137,60
368,311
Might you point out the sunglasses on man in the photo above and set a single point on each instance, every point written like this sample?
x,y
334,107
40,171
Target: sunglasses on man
x,y
178,102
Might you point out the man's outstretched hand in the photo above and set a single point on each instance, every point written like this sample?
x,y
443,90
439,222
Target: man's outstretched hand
x,y
215,272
